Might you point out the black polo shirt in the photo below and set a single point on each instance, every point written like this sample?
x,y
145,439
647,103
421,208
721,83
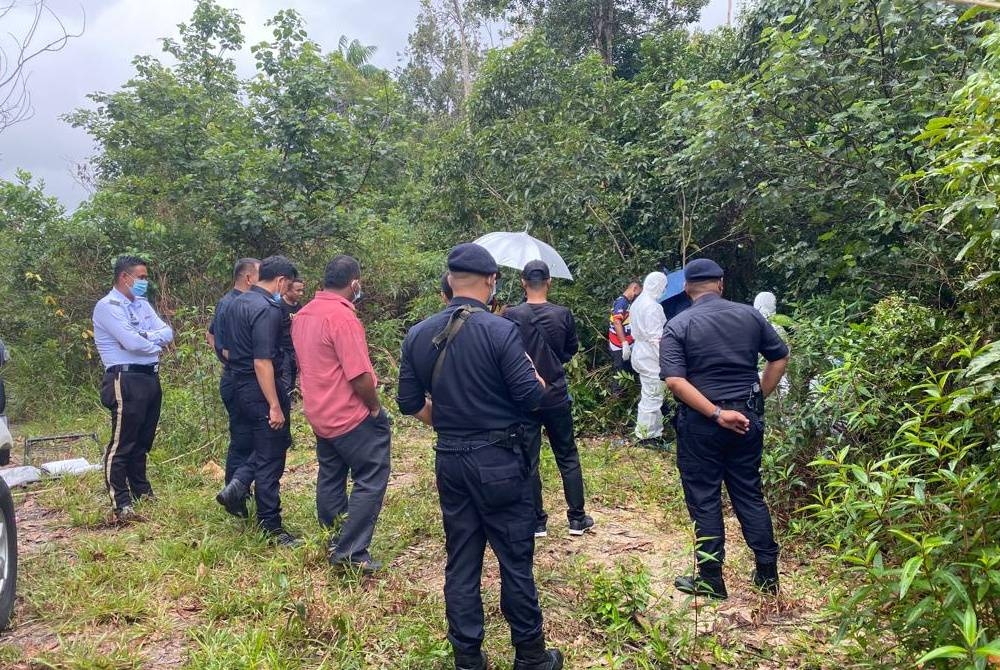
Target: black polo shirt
x,y
218,325
714,344
549,335
486,383
253,330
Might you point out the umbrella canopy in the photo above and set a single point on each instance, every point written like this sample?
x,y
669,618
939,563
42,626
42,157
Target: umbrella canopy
x,y
673,298
514,250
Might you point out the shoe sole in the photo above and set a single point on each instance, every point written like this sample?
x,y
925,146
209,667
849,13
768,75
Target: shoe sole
x,y
240,513
545,534
581,532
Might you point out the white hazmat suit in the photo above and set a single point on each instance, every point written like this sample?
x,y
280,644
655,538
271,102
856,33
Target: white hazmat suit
x,y
647,320
767,304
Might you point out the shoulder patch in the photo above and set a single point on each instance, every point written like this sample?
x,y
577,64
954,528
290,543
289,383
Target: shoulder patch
x,y
113,301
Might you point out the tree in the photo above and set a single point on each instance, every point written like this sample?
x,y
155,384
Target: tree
x,y
445,52
612,28
26,44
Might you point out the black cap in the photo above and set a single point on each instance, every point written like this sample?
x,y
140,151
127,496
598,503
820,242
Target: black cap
x,y
471,257
702,269
535,270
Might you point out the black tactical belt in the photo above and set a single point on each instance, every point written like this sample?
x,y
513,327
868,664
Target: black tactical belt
x,y
133,367
508,439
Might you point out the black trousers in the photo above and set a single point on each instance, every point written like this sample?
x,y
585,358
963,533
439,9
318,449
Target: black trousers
x,y
485,497
362,453
266,463
134,399
619,364
558,424
707,456
289,371
240,434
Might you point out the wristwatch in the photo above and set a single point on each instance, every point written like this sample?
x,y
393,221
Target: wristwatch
x,y
716,414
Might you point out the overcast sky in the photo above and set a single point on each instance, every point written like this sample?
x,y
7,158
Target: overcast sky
x,y
117,30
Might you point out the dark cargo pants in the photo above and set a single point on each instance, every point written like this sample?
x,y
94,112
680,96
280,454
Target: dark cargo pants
x,y
240,433
707,456
266,463
485,497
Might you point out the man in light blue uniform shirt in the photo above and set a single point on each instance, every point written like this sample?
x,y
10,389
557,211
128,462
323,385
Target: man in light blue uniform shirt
x,y
129,336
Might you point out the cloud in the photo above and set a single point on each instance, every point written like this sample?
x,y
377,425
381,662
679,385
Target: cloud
x,y
118,30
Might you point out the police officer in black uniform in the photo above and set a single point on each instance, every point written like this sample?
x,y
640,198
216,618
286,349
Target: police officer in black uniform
x,y
240,438
708,358
483,386
253,335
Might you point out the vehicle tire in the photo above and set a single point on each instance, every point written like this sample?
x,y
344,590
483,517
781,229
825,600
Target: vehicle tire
x,y
8,555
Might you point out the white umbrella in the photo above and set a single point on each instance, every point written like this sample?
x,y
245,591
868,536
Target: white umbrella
x,y
515,250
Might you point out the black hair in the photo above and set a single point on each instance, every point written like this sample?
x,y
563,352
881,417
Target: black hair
x,y
277,266
299,280
536,284
341,271
634,280
446,287
244,265
125,263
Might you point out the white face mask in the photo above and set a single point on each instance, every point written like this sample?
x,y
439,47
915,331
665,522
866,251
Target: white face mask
x,y
493,289
358,293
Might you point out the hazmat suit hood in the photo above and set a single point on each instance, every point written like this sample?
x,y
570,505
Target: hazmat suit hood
x,y
647,319
766,303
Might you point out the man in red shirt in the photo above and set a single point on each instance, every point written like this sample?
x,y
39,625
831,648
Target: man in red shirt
x,y
342,405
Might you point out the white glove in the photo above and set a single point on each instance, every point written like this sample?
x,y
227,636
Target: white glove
x,y
626,351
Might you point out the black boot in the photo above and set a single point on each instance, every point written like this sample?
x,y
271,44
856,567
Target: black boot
x,y
534,656
234,498
765,578
708,583
467,662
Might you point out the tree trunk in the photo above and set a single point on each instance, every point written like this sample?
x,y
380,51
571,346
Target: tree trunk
x,y
464,45
604,29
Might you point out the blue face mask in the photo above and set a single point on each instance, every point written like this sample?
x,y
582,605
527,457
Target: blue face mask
x,y
276,297
139,287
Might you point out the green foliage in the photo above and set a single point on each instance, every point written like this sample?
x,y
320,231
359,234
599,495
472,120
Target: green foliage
x,y
918,523
618,598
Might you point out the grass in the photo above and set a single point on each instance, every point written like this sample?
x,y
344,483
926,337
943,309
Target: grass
x,y
192,587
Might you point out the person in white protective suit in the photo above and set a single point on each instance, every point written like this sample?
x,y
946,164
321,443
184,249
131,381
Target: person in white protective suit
x,y
648,320
767,304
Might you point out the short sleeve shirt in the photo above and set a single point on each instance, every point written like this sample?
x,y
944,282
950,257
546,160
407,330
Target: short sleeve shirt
x,y
715,345
549,335
619,313
253,330
287,312
331,350
218,326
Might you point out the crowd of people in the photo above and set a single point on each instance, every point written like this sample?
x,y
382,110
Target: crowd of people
x,y
488,385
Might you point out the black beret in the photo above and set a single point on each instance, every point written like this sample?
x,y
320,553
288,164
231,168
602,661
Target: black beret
x,y
534,270
702,269
471,257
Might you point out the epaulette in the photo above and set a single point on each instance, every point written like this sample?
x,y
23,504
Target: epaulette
x,y
117,303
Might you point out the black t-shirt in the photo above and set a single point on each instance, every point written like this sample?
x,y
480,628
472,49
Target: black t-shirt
x,y
714,344
253,330
486,382
286,325
549,335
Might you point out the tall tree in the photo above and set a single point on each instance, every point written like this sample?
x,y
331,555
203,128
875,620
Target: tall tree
x,y
612,28
445,52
